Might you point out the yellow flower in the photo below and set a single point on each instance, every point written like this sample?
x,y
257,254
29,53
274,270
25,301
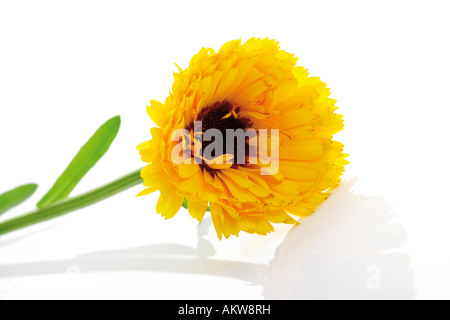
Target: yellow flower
x,y
256,86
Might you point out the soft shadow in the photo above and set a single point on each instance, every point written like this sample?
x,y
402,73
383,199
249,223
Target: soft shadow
x,y
163,257
343,251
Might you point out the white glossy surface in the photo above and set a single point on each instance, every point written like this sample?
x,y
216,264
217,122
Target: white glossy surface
x,y
66,68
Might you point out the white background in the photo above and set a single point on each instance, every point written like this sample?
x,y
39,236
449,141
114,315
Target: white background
x,y
68,66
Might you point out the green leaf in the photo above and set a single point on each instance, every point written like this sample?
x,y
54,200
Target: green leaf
x,y
86,158
184,203
13,198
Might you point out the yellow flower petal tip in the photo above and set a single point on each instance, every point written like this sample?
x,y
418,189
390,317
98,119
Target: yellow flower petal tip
x,y
252,88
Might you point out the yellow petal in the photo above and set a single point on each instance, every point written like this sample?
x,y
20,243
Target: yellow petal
x,y
256,115
169,204
227,115
221,162
280,216
220,166
217,218
237,191
242,179
304,150
294,119
188,170
147,191
158,113
197,209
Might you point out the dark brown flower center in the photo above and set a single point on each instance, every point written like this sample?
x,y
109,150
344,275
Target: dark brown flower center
x,y
222,116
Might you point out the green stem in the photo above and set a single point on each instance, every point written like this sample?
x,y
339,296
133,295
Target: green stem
x,y
72,204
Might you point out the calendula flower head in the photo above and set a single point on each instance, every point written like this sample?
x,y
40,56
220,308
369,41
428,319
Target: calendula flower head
x,y
289,162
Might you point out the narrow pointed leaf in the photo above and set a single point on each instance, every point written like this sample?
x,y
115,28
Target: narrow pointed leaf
x,y
86,158
14,197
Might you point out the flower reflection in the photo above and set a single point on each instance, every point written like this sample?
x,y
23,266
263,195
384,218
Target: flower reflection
x,y
343,251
